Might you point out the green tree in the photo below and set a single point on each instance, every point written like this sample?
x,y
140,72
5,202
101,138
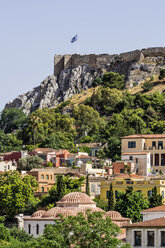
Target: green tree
x,y
162,74
20,235
155,199
9,142
12,119
114,148
100,203
111,198
130,204
87,190
92,231
87,120
30,162
113,80
15,192
60,187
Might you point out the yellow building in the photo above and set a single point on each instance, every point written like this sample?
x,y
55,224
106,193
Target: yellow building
x,y
141,184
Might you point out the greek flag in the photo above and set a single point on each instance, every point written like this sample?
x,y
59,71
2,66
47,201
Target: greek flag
x,y
74,38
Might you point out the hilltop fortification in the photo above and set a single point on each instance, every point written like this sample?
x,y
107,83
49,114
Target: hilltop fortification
x,y
75,73
62,62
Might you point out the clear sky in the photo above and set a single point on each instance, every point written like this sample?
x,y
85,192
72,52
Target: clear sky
x,y
32,31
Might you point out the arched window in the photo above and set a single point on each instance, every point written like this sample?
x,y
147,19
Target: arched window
x,y
37,229
45,225
29,229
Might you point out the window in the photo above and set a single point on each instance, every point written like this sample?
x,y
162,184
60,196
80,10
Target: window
x,y
149,193
42,176
160,144
137,238
47,176
45,225
107,194
162,193
153,143
29,229
42,189
130,157
136,160
8,167
131,144
50,176
37,229
150,238
162,233
93,188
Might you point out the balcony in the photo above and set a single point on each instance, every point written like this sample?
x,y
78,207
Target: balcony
x,y
151,148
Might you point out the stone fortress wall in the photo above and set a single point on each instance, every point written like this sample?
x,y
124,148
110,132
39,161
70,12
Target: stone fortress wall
x,y
99,61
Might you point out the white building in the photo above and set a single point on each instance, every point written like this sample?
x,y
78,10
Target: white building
x,y
8,166
150,232
69,205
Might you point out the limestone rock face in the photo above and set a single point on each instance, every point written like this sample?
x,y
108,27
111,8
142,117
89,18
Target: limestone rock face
x,y
79,76
54,90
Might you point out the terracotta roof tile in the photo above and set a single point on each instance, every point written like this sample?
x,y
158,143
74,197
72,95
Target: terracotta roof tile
x,y
155,209
144,136
159,222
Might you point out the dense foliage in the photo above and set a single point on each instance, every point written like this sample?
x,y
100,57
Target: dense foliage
x,y
30,162
92,231
130,204
155,199
15,192
106,116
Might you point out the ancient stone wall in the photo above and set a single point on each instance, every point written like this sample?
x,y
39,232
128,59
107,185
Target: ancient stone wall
x,y
99,61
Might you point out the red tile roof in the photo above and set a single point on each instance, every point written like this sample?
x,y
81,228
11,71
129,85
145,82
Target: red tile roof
x,y
159,222
155,209
144,136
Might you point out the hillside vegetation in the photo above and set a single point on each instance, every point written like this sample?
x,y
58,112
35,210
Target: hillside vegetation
x,y
103,113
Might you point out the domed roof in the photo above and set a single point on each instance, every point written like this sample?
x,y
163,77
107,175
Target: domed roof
x,y
114,215
38,213
54,212
92,209
76,197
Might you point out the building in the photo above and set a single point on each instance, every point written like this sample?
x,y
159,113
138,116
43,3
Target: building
x,y
123,167
153,213
70,205
146,151
8,166
143,184
150,233
45,179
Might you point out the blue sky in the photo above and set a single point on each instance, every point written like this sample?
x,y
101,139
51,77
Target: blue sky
x,y
32,31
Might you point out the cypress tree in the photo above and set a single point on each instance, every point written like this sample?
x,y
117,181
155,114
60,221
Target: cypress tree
x,y
87,185
110,198
155,199
60,187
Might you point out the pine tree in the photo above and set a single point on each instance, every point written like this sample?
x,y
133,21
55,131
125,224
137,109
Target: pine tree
x,y
155,199
110,198
60,187
87,185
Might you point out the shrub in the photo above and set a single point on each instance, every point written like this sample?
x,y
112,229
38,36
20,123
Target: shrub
x,y
147,86
162,74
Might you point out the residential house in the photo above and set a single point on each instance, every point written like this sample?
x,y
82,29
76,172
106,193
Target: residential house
x,y
8,166
146,151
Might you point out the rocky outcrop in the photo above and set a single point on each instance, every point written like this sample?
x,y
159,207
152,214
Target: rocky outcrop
x,y
76,73
55,89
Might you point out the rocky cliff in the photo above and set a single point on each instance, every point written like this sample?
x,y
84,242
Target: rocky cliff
x,y
74,73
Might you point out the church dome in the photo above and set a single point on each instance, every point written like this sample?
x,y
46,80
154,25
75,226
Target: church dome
x,y
54,212
114,215
76,197
39,213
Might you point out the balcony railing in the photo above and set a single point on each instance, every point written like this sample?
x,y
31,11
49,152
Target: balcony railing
x,y
154,148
